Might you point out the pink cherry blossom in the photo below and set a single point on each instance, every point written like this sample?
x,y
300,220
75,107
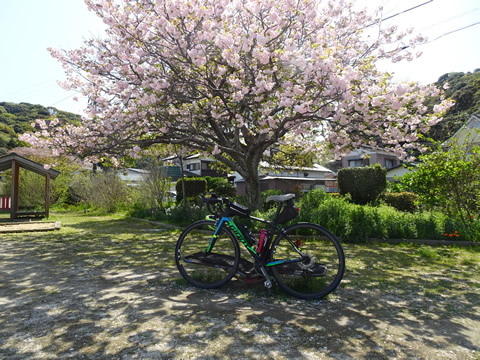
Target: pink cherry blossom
x,y
239,77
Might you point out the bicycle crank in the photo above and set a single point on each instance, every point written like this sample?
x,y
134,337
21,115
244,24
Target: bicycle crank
x,y
268,282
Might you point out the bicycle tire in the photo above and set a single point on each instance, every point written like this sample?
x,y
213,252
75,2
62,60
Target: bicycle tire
x,y
315,273
202,268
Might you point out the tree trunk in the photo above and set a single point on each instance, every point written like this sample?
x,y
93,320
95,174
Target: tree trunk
x,y
252,185
182,173
252,193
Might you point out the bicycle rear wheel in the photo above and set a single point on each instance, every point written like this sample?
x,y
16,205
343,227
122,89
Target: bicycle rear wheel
x,y
204,260
307,261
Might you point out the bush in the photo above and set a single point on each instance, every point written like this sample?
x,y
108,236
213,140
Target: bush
x,y
79,189
153,190
220,186
403,201
194,187
31,192
364,184
107,191
176,214
357,223
448,179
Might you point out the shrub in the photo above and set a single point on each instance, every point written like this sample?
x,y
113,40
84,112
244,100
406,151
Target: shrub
x,y
448,179
310,203
184,216
357,223
220,186
403,201
194,187
364,184
153,190
107,191
31,190
79,188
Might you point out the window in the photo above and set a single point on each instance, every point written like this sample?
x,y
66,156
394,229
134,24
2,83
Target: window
x,y
390,163
306,187
355,163
193,167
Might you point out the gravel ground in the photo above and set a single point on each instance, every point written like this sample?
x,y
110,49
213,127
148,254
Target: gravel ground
x,y
56,304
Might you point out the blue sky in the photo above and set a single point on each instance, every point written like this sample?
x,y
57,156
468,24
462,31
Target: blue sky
x,y
29,74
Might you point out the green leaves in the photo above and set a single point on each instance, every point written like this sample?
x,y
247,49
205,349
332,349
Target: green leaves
x,y
449,179
364,184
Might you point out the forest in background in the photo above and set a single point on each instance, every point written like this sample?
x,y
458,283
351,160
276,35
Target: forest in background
x,y
464,88
16,119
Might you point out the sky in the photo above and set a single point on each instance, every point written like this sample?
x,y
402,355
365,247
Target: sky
x,y
28,27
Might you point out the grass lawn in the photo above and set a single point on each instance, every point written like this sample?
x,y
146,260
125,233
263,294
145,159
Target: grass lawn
x,y
107,286
116,240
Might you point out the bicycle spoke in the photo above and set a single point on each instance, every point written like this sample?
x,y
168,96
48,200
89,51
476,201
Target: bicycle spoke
x,y
206,269
307,261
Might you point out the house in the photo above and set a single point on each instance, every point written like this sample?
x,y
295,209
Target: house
x,y
131,176
396,172
292,179
201,166
368,156
174,173
469,134
194,165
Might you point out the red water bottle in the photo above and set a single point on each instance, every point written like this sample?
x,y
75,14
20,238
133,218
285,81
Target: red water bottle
x,y
261,240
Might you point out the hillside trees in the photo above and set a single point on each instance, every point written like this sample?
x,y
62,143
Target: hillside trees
x,y
16,119
464,88
235,78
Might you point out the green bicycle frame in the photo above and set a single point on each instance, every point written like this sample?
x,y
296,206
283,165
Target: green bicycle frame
x,y
236,231
239,235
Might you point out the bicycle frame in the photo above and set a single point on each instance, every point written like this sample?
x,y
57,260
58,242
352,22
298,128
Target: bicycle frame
x,y
236,231
259,257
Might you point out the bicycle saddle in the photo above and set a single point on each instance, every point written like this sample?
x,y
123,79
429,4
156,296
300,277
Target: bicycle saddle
x,y
280,198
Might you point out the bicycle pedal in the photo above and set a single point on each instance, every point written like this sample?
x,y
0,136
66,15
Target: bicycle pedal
x,y
268,284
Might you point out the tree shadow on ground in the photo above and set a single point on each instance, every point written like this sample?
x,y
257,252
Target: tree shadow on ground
x,y
103,296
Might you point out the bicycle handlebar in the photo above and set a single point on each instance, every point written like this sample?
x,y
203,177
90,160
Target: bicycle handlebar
x,y
215,205
224,207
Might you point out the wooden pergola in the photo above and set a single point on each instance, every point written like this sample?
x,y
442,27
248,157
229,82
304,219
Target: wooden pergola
x,y
15,162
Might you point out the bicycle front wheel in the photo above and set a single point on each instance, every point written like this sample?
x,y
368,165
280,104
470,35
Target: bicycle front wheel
x,y
307,261
205,260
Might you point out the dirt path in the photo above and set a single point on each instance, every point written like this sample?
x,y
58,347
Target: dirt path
x,y
54,307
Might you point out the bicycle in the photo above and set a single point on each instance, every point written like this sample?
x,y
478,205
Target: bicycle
x,y
305,259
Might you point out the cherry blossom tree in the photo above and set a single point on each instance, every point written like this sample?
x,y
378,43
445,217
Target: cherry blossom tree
x,y
234,78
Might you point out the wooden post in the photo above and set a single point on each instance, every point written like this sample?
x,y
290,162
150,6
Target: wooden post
x,y
15,177
47,195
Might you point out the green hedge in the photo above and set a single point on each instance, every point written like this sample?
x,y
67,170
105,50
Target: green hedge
x,y
364,184
220,186
194,187
358,223
403,201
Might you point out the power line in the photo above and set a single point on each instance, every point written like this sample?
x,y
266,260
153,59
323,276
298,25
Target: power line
x,y
451,18
451,32
399,13
405,11
65,98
